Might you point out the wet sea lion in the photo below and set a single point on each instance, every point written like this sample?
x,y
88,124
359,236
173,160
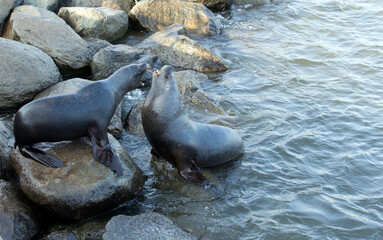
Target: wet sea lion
x,y
184,143
84,113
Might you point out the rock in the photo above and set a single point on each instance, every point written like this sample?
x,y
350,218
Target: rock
x,y
214,5
192,96
52,35
51,5
149,225
60,235
156,15
102,22
110,59
173,48
7,140
24,71
5,8
254,2
97,44
83,188
125,5
73,85
18,219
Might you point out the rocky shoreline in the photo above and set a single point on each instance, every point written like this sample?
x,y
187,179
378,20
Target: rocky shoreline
x,y
41,44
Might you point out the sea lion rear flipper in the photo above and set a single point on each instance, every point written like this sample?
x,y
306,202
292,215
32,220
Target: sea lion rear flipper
x,y
41,157
103,154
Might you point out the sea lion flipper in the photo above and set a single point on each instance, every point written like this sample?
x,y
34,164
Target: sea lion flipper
x,y
103,154
191,172
41,157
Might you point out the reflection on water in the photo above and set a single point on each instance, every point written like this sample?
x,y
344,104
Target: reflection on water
x,y
304,90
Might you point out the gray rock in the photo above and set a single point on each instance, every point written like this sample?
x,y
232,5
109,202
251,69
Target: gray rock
x,y
24,72
52,35
192,96
83,188
101,22
60,235
73,85
146,226
155,15
110,59
5,8
51,5
18,219
173,48
214,5
125,5
97,44
7,139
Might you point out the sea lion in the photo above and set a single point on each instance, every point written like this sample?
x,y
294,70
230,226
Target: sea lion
x,y
184,143
84,113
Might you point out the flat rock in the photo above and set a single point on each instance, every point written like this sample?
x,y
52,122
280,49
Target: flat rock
x,y
156,15
192,96
101,22
214,5
175,49
83,188
51,5
52,35
18,218
146,226
24,72
7,139
110,59
73,85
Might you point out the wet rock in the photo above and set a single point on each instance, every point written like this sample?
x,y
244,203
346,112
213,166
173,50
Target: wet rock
x,y
5,8
60,235
97,44
51,5
24,71
192,96
110,59
52,35
214,5
73,85
19,220
7,139
125,5
254,2
83,188
101,22
173,48
155,15
149,225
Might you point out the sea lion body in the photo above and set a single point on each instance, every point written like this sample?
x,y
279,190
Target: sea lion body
x,y
86,112
181,141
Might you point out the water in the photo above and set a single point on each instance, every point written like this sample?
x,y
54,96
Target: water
x,y
304,90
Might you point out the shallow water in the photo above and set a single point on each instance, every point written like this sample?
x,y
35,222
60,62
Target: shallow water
x,y
304,90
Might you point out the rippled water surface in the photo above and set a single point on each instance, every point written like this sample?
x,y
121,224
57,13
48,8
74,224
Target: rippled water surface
x,y
304,90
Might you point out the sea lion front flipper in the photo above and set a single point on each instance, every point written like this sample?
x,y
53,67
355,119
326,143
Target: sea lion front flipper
x,y
189,170
102,151
41,157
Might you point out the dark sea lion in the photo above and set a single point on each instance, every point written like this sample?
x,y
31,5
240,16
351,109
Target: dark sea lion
x,y
84,113
184,143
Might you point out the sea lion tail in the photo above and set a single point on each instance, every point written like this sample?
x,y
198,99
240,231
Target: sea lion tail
x,y
41,157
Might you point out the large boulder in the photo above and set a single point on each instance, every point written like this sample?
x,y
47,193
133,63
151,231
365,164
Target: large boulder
x,y
52,35
149,225
174,48
156,15
214,5
110,59
51,5
7,140
18,219
124,5
5,8
83,188
192,96
24,72
101,22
